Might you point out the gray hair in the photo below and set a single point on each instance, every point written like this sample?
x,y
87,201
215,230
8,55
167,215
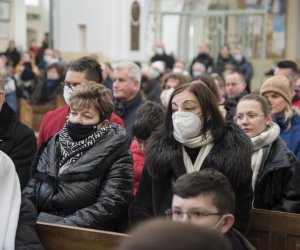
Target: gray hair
x,y
134,70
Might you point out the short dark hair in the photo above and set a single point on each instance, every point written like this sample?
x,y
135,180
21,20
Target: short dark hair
x,y
91,68
149,117
176,76
207,182
213,120
288,64
209,82
218,78
58,67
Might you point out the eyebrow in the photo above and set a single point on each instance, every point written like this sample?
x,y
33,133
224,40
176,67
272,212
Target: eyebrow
x,y
72,82
185,101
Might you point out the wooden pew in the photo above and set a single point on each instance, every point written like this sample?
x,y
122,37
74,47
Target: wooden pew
x,y
271,230
56,237
32,115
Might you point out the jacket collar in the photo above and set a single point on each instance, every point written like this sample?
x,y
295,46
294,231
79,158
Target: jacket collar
x,y
7,118
121,108
275,157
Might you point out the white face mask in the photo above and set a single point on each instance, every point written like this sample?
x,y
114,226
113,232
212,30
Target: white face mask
x,y
67,94
177,70
159,51
186,125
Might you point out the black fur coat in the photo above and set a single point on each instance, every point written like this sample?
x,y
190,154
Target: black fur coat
x,y
231,155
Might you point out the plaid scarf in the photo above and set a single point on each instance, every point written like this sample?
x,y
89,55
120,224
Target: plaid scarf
x,y
71,151
258,142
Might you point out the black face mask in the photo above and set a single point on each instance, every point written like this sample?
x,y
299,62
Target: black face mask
x,y
79,132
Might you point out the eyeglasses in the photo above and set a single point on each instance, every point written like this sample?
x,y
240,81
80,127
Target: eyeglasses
x,y
194,214
249,117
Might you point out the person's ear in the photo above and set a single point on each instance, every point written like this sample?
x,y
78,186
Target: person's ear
x,y
227,223
136,84
2,95
269,119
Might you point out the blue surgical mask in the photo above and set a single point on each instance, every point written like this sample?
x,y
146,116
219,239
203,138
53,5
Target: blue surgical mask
x,y
196,74
47,59
155,74
238,57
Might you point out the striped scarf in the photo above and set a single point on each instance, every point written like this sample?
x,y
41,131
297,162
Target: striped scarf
x,y
71,151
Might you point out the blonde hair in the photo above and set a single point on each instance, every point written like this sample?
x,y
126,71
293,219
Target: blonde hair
x,y
289,112
94,95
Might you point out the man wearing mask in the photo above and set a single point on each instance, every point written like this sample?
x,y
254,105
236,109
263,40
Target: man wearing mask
x,y
160,55
198,69
243,66
126,92
80,71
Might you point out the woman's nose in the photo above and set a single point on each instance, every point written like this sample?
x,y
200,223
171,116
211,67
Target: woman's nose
x,y
78,119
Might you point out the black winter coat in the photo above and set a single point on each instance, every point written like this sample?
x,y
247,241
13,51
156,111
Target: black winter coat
x,y
277,185
18,142
127,111
94,191
26,235
231,155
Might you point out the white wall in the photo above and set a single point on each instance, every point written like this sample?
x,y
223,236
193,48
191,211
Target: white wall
x,y
19,24
107,27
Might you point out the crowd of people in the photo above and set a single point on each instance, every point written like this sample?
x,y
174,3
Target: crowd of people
x,y
190,144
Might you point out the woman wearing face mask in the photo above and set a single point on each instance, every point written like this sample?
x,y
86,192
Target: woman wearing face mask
x,y
194,137
84,176
46,91
277,90
276,172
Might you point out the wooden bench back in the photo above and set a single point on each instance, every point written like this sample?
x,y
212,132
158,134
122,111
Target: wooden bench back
x,y
25,112
271,230
32,115
56,237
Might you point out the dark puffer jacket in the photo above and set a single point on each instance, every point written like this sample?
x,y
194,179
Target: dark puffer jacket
x,y
231,155
18,142
277,185
26,235
94,191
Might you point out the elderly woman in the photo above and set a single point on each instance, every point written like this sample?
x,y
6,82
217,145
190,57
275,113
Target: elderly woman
x,y
84,176
277,90
276,172
194,137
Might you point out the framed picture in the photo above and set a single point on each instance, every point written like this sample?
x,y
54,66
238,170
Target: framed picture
x,y
4,11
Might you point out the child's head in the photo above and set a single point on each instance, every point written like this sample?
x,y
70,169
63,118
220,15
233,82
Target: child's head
x,y
204,198
148,118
